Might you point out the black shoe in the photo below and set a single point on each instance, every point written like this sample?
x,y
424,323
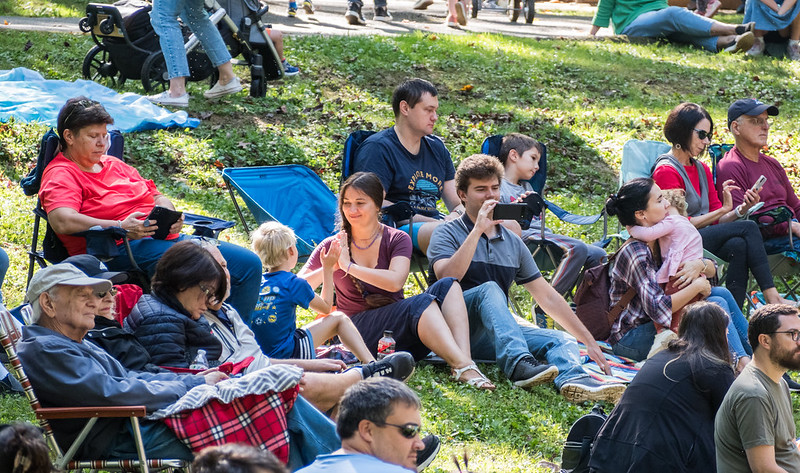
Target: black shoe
x,y
426,456
382,14
587,388
794,386
353,15
529,373
399,365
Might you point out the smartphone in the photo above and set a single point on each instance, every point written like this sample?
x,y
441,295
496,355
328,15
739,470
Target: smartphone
x,y
509,211
164,218
759,183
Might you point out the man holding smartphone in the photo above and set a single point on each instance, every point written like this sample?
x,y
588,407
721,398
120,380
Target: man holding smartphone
x,y
487,258
748,121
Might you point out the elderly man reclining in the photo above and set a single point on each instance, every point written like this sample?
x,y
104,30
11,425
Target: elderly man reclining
x,y
67,371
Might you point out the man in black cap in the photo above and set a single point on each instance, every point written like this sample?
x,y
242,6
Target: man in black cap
x,y
748,120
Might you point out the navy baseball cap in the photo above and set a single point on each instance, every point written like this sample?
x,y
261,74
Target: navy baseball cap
x,y
750,107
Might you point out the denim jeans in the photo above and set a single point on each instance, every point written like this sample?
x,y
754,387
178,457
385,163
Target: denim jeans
x,y
780,244
159,442
243,264
3,270
311,433
676,24
164,18
496,335
636,342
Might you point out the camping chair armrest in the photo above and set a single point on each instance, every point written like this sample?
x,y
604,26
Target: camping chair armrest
x,y
50,413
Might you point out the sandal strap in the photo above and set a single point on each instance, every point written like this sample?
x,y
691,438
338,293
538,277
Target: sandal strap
x,y
457,372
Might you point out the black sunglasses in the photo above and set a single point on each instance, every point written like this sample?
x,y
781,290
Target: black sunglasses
x,y
702,134
408,431
85,103
112,291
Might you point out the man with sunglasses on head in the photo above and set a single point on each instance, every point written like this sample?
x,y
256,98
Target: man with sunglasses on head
x,y
379,423
754,428
749,122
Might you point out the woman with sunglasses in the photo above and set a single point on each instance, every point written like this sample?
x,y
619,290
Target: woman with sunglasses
x,y
169,322
83,187
689,128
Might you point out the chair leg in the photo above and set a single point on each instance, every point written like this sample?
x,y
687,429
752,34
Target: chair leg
x,y
137,436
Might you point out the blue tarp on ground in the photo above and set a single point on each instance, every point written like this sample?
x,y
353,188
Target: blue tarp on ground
x,y
27,96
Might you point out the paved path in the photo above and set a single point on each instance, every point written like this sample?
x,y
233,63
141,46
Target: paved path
x,y
571,20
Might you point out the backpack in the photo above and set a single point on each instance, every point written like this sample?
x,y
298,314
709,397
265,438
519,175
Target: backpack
x,y
593,301
578,447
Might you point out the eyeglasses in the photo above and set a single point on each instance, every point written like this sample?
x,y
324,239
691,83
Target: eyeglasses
x,y
208,292
758,121
702,134
85,103
408,431
113,291
795,334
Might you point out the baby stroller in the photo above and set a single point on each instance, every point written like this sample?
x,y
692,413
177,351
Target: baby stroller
x,y
128,48
526,8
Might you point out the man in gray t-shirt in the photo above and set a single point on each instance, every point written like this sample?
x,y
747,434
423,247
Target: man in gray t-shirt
x,y
754,429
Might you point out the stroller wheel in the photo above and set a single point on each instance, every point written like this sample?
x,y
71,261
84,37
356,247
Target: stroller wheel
x,y
97,66
154,73
513,13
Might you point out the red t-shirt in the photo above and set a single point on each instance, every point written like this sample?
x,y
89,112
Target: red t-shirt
x,y
668,178
111,194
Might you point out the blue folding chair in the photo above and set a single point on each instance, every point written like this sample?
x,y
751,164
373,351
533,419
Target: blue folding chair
x,y
291,194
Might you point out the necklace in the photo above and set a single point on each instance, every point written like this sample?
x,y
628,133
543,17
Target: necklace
x,y
372,242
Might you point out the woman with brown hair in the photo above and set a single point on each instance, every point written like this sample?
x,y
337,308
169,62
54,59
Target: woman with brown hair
x,y
372,270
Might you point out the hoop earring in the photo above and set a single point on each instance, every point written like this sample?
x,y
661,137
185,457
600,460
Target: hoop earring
x,y
678,146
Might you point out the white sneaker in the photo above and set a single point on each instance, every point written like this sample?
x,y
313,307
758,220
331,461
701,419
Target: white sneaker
x,y
758,48
743,42
711,8
793,50
164,98
422,4
220,90
661,341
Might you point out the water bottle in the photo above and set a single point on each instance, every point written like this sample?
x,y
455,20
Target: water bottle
x,y
201,362
385,345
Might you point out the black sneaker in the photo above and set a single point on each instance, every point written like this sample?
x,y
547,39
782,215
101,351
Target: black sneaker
x,y
426,456
353,15
9,384
587,388
794,386
382,14
399,365
529,373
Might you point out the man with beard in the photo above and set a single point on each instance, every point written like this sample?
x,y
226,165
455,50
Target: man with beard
x,y
754,428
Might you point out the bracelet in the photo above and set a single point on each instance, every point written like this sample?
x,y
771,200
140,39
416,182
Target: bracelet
x,y
737,211
119,223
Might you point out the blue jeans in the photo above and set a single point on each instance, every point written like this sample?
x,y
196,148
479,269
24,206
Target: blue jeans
x,y
676,24
780,244
496,335
311,433
243,264
636,342
159,442
164,18
3,270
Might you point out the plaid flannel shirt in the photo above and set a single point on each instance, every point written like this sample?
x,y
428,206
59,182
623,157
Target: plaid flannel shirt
x,y
634,266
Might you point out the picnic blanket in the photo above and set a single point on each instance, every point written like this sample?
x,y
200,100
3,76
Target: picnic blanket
x,y
251,410
622,369
27,96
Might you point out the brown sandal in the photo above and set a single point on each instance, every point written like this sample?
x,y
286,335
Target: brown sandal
x,y
479,382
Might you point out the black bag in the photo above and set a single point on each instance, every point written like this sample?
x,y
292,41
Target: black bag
x,y
593,300
578,447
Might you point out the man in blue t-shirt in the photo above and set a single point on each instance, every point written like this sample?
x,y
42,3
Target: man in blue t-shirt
x,y
379,424
413,165
486,258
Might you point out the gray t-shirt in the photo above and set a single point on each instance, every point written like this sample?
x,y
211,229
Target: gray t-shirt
x,y
756,411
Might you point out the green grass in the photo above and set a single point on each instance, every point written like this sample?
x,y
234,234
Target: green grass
x,y
583,99
46,8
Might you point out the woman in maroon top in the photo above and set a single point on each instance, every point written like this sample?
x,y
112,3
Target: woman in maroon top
x,y
688,128
372,270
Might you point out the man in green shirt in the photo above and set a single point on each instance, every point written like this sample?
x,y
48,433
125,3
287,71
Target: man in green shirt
x,y
754,428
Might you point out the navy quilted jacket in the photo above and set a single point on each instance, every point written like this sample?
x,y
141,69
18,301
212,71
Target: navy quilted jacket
x,y
171,338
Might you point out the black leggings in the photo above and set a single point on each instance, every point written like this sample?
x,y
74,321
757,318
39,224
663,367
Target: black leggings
x,y
740,244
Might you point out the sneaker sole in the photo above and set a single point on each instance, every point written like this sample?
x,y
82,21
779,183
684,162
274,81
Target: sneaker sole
x,y
461,14
353,19
223,93
577,394
422,5
545,376
430,459
169,104
713,10
382,18
309,9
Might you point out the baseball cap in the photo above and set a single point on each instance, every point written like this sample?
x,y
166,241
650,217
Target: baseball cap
x,y
93,267
750,107
59,274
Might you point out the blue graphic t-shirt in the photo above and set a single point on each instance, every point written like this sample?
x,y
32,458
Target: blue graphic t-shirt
x,y
273,321
417,179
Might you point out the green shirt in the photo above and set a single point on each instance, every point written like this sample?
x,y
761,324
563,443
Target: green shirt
x,y
623,12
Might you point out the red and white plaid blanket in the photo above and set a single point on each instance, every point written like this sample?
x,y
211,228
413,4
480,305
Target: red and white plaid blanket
x,y
250,410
